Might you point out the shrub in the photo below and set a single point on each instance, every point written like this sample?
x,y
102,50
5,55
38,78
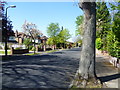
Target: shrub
x,y
18,48
99,43
33,48
30,47
113,45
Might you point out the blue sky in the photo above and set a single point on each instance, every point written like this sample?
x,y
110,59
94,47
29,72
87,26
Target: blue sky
x,y
43,13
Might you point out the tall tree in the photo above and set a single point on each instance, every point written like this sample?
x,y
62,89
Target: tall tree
x,y
5,20
63,36
103,22
86,71
27,42
6,25
31,30
52,31
79,25
79,29
113,36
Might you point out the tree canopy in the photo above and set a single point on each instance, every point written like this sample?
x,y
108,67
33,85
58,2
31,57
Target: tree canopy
x,y
63,36
79,25
108,28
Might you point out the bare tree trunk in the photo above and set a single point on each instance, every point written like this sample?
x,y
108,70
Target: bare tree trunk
x,y
87,62
86,71
44,47
34,46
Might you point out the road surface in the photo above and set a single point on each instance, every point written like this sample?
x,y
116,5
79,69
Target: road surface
x,y
53,70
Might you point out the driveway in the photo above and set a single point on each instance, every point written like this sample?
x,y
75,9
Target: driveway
x,y
54,70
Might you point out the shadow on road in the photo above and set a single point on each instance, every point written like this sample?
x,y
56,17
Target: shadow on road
x,y
39,71
75,49
58,52
109,77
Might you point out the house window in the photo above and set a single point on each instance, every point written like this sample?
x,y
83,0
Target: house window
x,y
12,38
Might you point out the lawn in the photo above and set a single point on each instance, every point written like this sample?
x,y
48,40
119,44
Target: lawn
x,y
3,52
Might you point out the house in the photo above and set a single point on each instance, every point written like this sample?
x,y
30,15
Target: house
x,y
20,36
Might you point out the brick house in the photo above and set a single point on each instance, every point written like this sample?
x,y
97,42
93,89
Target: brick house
x,y
20,36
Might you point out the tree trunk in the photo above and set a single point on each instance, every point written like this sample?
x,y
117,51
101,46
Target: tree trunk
x,y
44,47
34,46
86,76
87,62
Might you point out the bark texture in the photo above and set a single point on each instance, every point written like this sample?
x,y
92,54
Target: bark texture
x,y
87,61
86,76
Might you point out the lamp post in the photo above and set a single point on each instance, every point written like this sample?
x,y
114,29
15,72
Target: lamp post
x,y
6,38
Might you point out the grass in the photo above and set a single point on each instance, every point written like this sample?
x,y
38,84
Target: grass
x,y
32,54
3,52
51,51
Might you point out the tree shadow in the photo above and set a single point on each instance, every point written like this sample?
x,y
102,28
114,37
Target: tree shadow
x,y
109,77
75,49
58,52
38,71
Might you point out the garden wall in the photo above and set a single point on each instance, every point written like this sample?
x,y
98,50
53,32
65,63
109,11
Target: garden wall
x,y
113,60
20,51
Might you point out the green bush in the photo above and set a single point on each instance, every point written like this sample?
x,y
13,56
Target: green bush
x,y
113,45
30,47
33,48
18,48
99,43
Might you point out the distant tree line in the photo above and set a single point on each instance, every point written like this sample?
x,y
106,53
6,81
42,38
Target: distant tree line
x,y
57,37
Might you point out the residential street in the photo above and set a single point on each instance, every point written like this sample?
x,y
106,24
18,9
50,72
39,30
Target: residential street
x,y
54,70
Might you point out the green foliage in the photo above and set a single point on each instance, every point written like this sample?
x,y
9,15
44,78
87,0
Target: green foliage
x,y
102,19
79,20
99,43
53,30
102,12
63,36
57,36
116,25
33,48
79,25
50,41
113,45
108,30
30,47
18,48
113,37
3,52
27,42
103,25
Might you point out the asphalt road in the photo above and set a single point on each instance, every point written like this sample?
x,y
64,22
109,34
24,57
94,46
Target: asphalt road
x,y
53,70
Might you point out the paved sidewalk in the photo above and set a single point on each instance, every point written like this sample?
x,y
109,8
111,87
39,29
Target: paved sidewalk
x,y
107,72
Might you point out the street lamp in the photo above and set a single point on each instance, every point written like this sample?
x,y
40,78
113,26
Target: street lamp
x,y
6,38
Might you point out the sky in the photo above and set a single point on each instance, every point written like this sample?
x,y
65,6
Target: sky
x,y
44,13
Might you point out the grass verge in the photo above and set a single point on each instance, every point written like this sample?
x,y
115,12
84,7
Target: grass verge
x,y
3,52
